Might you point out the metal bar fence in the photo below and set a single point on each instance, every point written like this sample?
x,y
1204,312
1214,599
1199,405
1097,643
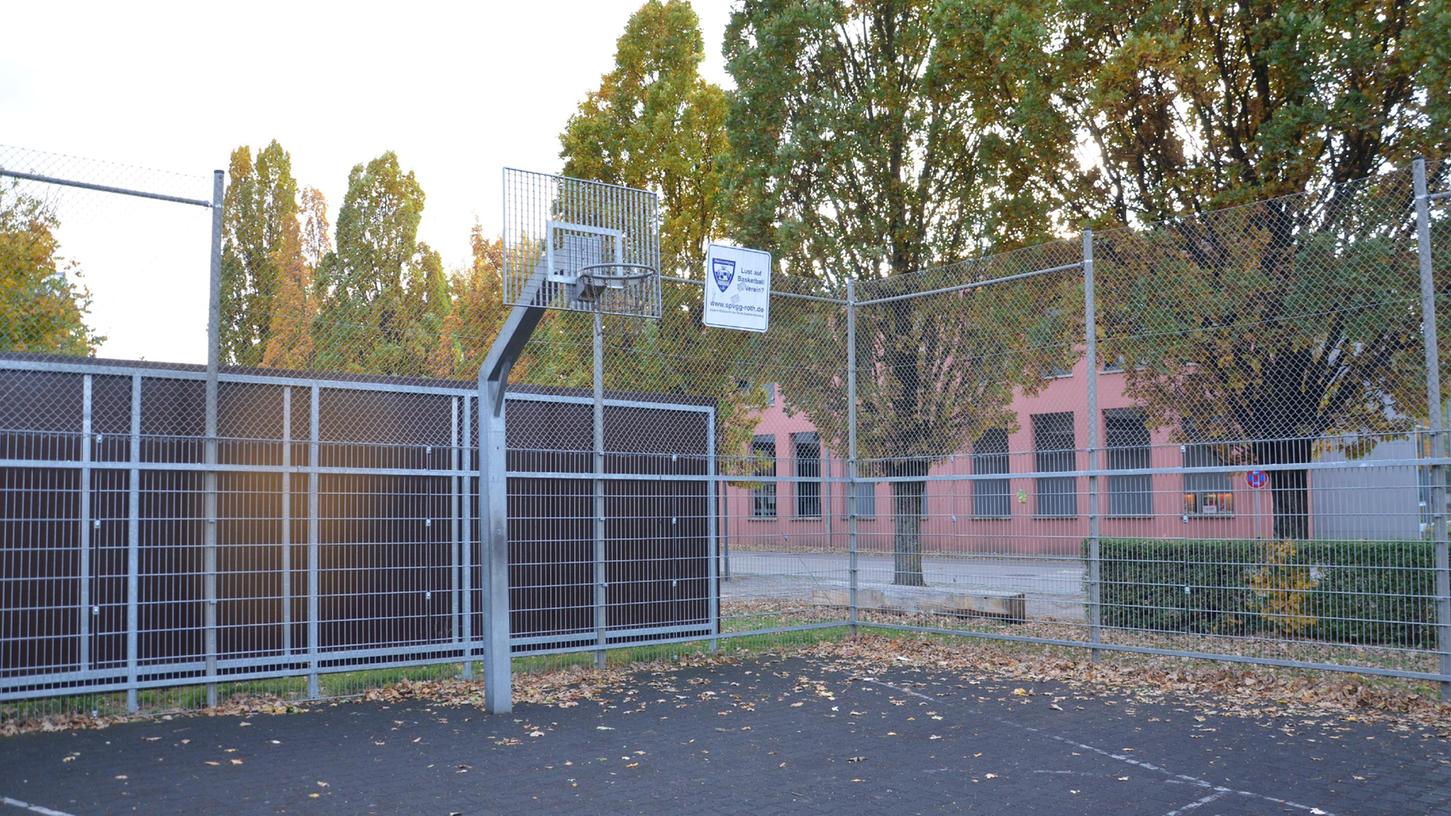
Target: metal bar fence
x,y
358,491
1102,442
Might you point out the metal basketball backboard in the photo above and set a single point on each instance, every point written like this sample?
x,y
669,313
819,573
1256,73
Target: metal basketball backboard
x,y
580,245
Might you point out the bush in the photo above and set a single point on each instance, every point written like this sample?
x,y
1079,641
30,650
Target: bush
x,y
1368,592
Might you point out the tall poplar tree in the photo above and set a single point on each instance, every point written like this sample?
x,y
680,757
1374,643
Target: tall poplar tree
x,y
655,124
382,293
260,245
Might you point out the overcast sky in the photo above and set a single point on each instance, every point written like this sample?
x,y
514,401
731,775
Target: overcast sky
x,y
458,90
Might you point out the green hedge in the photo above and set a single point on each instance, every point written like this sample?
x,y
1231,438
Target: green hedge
x,y
1370,592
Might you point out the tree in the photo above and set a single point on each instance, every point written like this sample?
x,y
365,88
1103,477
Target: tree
x,y
428,303
655,124
1194,105
478,311
1275,329
316,234
294,307
260,246
877,139
383,295
43,305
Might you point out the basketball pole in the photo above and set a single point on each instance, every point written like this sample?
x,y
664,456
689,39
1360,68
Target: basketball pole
x,y
598,487
523,319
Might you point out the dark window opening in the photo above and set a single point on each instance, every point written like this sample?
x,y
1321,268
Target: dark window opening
x,y
1126,437
807,448
991,498
866,500
763,496
1054,450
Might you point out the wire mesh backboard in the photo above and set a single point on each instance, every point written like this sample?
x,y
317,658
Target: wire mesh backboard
x,y
556,227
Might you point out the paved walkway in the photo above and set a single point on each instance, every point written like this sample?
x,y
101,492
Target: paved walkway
x,y
761,738
1053,585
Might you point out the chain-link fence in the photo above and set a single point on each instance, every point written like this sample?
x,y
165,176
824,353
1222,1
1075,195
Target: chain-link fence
x,y
1214,437
1207,437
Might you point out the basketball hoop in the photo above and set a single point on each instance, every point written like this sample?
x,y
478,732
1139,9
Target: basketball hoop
x,y
597,282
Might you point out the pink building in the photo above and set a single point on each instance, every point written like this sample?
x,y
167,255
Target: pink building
x,y
1011,513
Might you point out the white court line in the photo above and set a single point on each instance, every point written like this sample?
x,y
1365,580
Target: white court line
x,y
43,811
1218,790
1200,802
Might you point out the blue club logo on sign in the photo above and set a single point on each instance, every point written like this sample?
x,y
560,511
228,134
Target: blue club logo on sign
x,y
724,272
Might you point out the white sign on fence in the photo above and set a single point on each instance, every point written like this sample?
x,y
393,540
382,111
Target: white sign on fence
x,y
737,288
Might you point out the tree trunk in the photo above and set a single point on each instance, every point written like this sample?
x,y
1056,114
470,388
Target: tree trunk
x,y
1289,489
1290,496
907,533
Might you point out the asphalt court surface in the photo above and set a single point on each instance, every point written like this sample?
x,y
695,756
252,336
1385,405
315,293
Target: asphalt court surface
x,y
770,736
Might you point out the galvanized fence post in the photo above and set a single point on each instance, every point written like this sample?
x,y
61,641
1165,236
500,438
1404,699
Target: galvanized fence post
x,y
286,514
454,527
712,599
723,520
468,505
133,547
83,594
827,530
313,511
851,455
214,326
597,403
1090,334
1438,430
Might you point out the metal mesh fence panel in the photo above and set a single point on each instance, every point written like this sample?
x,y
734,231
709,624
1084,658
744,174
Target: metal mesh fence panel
x,y
1225,454
78,579
1212,437
955,372
1275,351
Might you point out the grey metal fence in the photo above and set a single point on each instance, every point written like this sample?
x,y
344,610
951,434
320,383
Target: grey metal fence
x,y
1220,437
345,531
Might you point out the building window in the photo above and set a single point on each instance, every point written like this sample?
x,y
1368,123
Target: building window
x,y
807,447
1053,450
1205,494
1127,445
866,500
991,498
763,496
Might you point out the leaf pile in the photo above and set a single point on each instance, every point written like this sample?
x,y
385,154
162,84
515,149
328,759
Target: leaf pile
x,y
1219,688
